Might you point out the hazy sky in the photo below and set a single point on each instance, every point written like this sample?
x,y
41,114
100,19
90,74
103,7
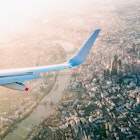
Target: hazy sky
x,y
27,8
16,15
13,13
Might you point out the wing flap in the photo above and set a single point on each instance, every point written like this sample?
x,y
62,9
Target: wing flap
x,y
16,78
16,86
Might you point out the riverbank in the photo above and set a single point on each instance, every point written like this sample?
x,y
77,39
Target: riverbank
x,y
103,99
41,111
11,128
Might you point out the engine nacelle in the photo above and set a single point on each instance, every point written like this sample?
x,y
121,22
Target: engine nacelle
x,y
16,86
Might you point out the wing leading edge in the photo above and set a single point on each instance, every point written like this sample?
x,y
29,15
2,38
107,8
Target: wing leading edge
x,y
20,75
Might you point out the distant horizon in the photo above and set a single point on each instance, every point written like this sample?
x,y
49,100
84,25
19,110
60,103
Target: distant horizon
x,y
17,16
20,18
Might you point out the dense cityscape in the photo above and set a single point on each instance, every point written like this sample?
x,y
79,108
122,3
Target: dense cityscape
x,y
101,102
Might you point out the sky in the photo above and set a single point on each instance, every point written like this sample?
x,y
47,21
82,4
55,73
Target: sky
x,y
17,15
17,11
14,14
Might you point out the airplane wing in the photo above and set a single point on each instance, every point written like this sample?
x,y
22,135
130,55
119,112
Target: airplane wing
x,y
14,78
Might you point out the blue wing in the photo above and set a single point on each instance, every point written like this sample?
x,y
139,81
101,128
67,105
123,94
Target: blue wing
x,y
13,78
82,53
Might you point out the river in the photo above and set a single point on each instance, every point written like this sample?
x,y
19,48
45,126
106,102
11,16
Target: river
x,y
41,111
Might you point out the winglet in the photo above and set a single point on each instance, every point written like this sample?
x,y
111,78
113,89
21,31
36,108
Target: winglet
x,y
82,53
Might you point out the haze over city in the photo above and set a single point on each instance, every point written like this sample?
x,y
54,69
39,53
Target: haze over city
x,y
99,99
17,16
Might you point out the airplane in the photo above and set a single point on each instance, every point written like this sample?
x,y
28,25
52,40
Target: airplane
x,y
14,78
